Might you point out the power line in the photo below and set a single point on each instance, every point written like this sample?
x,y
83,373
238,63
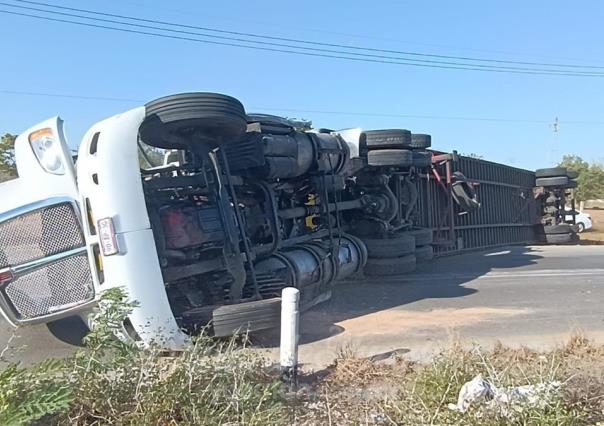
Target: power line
x,y
341,46
340,55
289,46
314,111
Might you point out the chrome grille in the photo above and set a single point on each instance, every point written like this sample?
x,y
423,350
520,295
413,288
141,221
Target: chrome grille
x,y
56,286
39,233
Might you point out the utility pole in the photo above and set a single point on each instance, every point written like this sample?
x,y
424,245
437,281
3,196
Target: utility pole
x,y
555,143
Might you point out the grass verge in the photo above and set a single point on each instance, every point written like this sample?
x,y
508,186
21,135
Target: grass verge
x,y
222,382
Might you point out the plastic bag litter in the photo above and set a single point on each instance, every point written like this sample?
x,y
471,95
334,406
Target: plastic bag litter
x,y
479,390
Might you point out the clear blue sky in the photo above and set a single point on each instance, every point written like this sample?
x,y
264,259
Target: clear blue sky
x,y
65,59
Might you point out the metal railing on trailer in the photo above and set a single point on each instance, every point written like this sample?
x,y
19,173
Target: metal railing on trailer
x,y
508,212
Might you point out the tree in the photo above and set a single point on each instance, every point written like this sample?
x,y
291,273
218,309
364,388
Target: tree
x,y
8,169
590,183
473,155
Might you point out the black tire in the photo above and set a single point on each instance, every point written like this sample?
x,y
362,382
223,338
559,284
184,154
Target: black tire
x,y
580,227
70,330
390,158
563,228
422,159
366,228
423,236
247,316
380,139
552,181
424,254
572,174
570,238
551,172
272,124
390,266
172,121
422,141
464,194
395,245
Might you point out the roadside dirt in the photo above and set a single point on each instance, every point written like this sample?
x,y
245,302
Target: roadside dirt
x,y
595,236
392,321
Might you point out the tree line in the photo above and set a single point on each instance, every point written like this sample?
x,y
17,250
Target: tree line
x,y
8,169
590,183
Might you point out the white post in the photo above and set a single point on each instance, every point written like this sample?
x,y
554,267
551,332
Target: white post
x,y
290,318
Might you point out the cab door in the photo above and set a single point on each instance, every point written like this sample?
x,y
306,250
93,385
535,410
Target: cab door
x,y
45,272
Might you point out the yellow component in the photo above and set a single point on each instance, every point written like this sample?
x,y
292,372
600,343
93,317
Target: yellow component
x,y
99,262
312,201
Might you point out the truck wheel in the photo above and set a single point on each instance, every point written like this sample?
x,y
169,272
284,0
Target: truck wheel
x,y
380,139
569,238
423,236
394,245
271,123
580,227
419,140
390,266
552,181
551,172
424,254
172,121
242,317
422,158
390,157
563,228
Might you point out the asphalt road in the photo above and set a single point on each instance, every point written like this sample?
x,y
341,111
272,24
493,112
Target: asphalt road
x,y
533,296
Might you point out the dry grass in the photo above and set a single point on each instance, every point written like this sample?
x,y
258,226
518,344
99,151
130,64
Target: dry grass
x,y
358,391
216,382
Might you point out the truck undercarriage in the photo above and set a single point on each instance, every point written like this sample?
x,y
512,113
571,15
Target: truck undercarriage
x,y
245,205
205,213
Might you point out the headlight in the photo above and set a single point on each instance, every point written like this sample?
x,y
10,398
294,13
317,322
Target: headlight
x,y
47,150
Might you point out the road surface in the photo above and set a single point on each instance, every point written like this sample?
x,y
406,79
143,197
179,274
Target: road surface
x,y
535,296
519,295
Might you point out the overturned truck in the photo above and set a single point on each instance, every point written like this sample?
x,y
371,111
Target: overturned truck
x,y
204,213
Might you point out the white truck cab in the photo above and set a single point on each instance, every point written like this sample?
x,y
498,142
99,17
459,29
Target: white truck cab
x,y
54,259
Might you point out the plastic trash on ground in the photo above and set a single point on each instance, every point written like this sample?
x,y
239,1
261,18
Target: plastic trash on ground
x,y
505,400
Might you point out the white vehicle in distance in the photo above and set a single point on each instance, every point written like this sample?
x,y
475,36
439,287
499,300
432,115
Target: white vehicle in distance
x,y
582,220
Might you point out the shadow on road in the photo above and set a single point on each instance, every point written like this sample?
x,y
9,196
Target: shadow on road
x,y
442,278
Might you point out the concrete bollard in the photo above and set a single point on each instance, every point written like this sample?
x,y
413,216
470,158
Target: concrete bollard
x,y
290,318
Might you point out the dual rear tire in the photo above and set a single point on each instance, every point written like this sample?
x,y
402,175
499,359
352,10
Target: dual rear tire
x,y
396,148
398,253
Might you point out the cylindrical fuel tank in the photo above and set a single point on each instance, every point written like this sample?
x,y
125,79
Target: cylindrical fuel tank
x,y
299,153
311,263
